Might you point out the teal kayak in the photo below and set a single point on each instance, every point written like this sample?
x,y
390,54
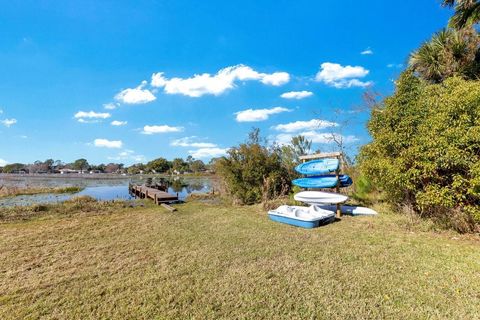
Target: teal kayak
x,y
325,181
316,167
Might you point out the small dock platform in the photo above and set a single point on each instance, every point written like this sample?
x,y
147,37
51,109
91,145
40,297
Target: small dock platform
x,y
158,196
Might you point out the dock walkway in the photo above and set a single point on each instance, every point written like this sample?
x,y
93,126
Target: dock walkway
x,y
158,196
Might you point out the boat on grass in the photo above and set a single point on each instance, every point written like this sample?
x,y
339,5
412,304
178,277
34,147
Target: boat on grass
x,y
320,197
305,217
351,210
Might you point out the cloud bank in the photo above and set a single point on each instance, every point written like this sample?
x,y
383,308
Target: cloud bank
x,y
191,142
314,124
137,95
296,95
208,84
255,115
148,130
104,143
338,76
8,122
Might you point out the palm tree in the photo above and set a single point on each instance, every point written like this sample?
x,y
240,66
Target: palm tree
x,y
301,145
467,12
449,53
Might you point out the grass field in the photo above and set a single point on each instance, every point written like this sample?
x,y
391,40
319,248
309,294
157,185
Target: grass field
x,y
214,261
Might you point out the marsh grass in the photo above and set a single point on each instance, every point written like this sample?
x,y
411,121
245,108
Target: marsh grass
x,y
74,206
218,261
10,191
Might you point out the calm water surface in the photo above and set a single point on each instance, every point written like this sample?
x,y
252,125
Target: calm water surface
x,y
105,189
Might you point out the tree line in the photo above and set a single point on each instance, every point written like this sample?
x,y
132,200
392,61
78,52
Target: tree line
x,y
159,165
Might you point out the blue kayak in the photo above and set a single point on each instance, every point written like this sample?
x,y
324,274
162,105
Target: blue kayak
x,y
325,181
316,167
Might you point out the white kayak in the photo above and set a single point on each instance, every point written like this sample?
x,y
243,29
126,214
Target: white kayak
x,y
351,210
320,197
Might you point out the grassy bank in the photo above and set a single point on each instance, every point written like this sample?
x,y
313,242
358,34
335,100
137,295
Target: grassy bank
x,y
20,191
215,261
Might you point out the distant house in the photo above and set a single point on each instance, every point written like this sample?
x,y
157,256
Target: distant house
x,y
21,171
68,171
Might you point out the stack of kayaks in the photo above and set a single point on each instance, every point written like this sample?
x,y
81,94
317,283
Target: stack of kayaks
x,y
320,174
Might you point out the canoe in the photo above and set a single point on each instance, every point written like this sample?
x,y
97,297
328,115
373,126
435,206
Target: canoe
x,y
319,197
351,210
325,181
316,167
305,217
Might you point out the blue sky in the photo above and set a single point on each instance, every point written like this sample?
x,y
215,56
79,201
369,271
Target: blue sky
x,y
175,76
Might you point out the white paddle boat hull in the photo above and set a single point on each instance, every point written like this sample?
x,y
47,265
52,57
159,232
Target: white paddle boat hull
x,y
320,197
305,217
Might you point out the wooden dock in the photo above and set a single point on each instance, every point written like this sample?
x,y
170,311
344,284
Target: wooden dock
x,y
158,196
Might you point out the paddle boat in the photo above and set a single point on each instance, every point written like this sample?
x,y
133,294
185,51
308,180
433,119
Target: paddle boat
x,y
316,167
305,217
319,197
324,181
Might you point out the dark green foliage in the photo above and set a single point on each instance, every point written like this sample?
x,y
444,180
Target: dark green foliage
x,y
426,149
197,166
467,12
81,164
179,165
159,165
253,172
449,53
14,167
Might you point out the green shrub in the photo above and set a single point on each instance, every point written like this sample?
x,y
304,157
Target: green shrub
x,y
426,149
252,172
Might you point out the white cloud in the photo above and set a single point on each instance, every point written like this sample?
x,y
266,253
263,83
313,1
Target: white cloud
x,y
104,143
8,122
91,116
128,155
296,95
118,123
160,129
137,95
338,76
190,142
275,79
225,79
3,163
315,137
314,124
395,65
207,152
367,51
111,105
253,115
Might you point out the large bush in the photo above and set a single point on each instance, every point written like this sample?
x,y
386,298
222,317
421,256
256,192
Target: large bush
x,y
253,172
426,149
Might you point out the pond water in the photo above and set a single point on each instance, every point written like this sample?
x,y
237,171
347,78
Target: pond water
x,y
101,188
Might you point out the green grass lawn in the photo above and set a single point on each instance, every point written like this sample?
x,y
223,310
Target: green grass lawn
x,y
212,261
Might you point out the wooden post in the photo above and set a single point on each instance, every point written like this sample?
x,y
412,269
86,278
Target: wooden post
x,y
337,188
155,200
